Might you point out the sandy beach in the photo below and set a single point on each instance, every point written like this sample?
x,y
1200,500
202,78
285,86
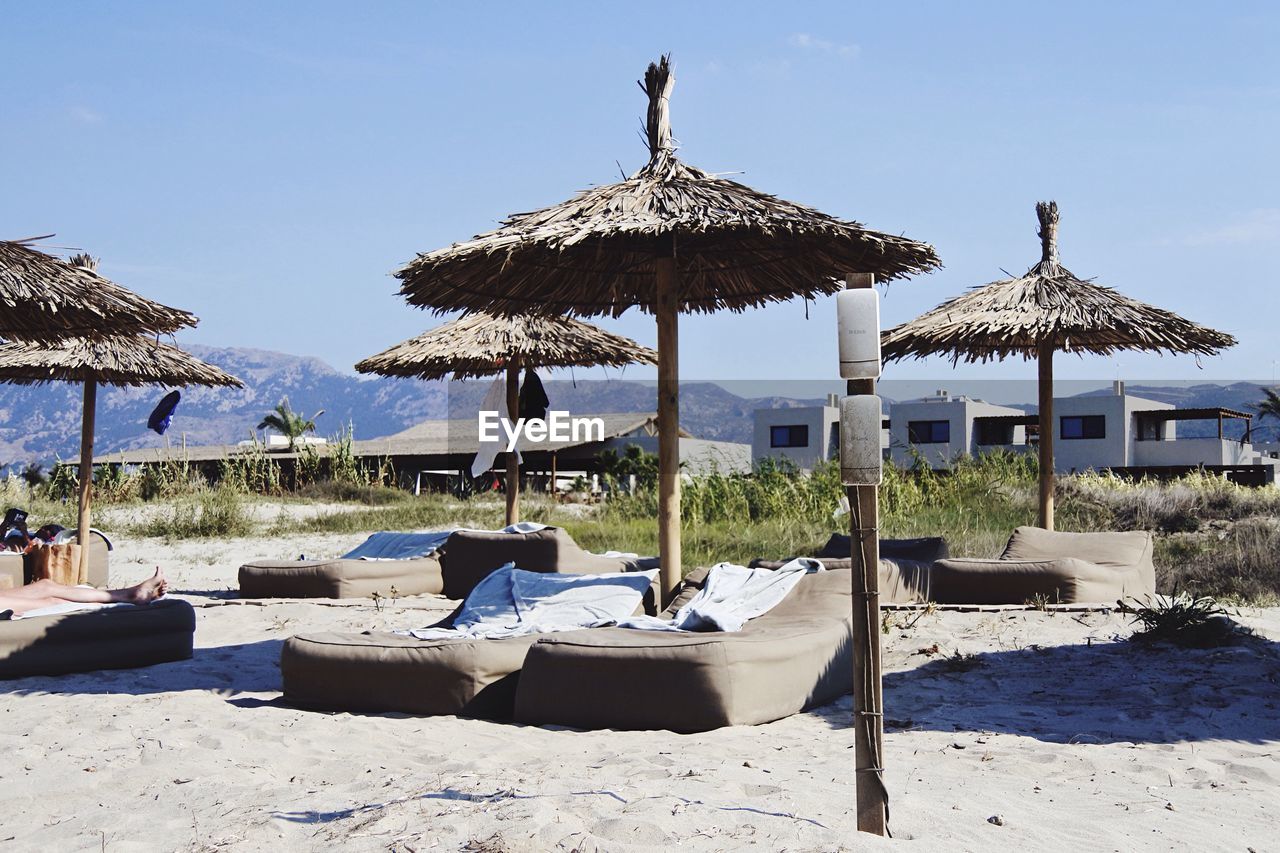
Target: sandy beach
x,y
1010,730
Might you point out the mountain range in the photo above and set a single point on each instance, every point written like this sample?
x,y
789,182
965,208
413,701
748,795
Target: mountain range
x,y
42,423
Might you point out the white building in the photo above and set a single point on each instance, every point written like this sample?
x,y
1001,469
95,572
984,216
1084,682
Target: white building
x,y
945,426
1114,432
803,435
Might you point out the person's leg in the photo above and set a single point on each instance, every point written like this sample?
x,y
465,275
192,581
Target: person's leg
x,y
47,590
16,604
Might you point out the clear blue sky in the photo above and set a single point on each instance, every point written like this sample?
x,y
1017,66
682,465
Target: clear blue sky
x,y
267,165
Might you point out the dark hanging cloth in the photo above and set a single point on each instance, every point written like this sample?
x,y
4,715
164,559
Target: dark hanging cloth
x,y
533,399
162,415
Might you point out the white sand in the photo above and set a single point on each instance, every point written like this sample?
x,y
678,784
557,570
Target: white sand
x,y
1076,741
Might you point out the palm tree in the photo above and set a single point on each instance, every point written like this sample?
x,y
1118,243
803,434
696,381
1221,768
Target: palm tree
x,y
289,423
1269,407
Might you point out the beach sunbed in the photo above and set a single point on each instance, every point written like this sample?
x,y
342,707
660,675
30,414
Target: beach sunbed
x,y
905,564
403,562
113,637
471,555
795,656
382,671
1066,568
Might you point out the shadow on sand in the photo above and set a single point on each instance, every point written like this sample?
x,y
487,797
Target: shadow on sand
x,y
1101,693
220,670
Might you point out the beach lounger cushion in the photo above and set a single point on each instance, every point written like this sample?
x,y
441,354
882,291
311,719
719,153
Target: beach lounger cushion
x,y
835,554
471,555
905,564
110,638
796,656
340,578
379,672
1066,568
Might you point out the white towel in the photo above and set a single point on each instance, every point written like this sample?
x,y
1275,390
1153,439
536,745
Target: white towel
x,y
730,596
510,602
495,400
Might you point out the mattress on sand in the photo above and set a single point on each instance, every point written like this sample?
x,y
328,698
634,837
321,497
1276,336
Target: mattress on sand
x,y
378,671
1062,568
382,671
796,656
340,578
118,637
471,555
905,564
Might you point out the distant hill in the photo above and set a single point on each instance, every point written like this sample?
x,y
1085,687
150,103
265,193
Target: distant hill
x,y
42,423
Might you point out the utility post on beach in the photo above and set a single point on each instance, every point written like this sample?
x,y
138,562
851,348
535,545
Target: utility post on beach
x,y
860,471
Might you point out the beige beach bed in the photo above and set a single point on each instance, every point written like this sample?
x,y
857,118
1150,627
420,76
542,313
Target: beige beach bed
x,y
1062,568
905,564
381,671
120,637
796,656
340,578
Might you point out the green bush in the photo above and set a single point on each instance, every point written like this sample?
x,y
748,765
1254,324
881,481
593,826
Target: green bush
x,y
218,512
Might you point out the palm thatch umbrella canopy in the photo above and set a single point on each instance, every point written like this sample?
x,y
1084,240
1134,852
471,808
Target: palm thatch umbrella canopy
x,y
121,360
1046,309
670,238
482,344
43,298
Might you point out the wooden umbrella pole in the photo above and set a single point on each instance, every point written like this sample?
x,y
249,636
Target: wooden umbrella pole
x,y
868,697
513,467
1045,362
86,476
667,310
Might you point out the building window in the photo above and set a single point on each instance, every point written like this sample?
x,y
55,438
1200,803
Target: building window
x,y
993,432
929,432
792,435
1083,426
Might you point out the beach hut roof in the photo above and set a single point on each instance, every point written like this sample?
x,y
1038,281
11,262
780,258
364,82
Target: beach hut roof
x,y
735,247
1049,303
482,344
43,298
117,360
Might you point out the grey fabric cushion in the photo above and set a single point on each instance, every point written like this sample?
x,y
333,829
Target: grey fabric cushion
x,y
904,565
471,555
340,578
925,549
795,656
376,672
1116,550
111,638
1067,568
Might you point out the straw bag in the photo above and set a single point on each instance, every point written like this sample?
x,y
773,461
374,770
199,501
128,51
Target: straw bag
x,y
58,563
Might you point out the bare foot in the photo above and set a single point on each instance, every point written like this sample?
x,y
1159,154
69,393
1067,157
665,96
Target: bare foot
x,y
150,589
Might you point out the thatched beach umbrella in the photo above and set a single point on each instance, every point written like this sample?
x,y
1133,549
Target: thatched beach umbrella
x,y
1046,309
43,299
121,360
670,238
479,344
